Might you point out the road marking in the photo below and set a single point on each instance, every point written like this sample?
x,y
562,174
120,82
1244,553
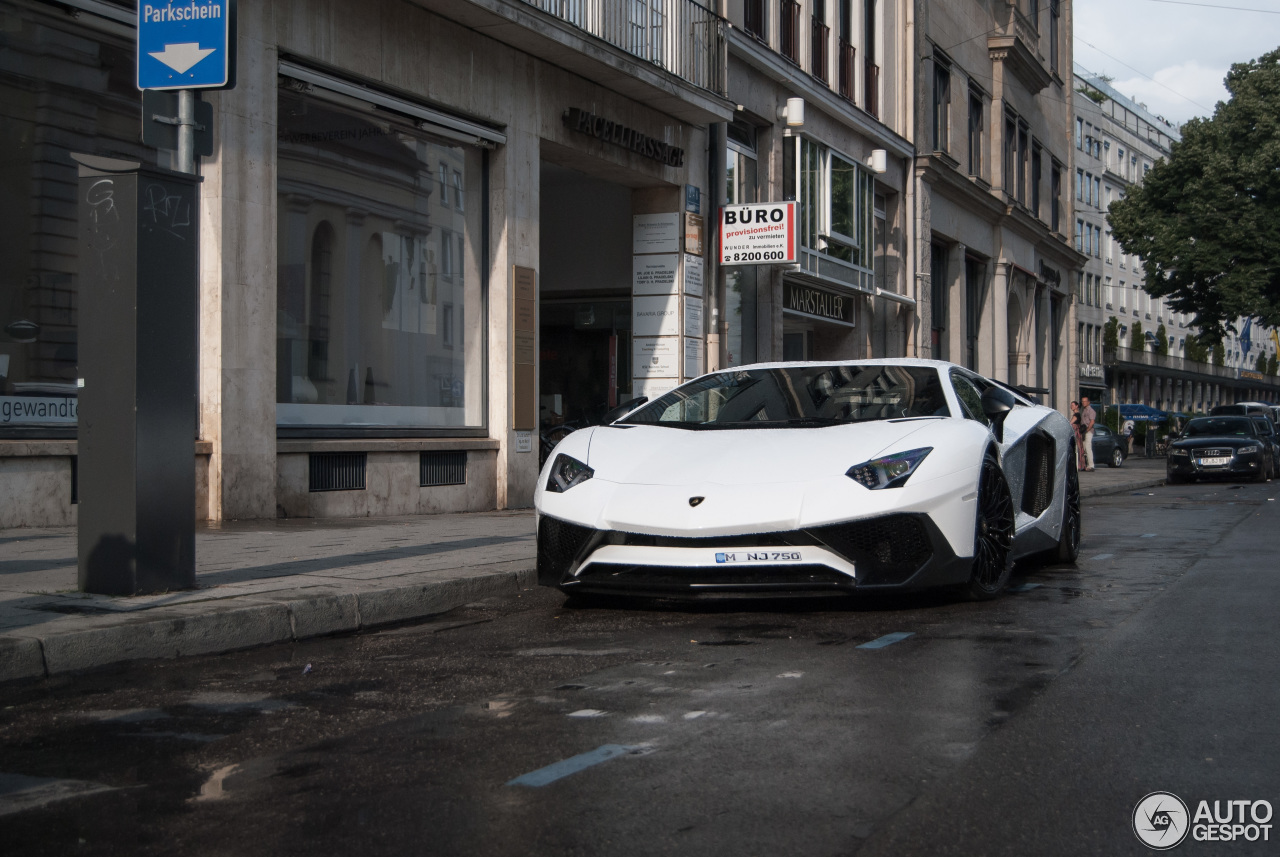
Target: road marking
x,y
1026,587
1149,535
693,715
887,640
572,765
587,712
1101,556
790,675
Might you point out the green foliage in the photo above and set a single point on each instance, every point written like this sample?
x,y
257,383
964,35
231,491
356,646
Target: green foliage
x,y
1137,341
1097,96
1162,340
1219,354
1111,333
1197,348
1261,365
1271,364
1206,221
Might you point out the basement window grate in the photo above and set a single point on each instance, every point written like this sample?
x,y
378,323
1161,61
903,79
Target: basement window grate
x,y
337,471
443,468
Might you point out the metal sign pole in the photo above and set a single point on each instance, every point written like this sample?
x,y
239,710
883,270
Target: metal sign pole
x,y
186,130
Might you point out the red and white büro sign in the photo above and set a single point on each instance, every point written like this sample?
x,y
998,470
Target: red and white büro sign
x,y
761,233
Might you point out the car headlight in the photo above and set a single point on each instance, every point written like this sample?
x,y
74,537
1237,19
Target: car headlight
x,y
891,471
567,472
1249,450
1178,453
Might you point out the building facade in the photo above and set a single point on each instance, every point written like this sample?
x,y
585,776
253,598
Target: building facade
x,y
421,227
1117,142
992,126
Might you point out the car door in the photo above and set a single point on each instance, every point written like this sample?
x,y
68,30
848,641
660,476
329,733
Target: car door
x,y
1031,455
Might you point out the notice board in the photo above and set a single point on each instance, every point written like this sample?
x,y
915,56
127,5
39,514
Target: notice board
x,y
524,349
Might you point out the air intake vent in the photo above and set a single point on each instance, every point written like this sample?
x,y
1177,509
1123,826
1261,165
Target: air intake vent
x,y
337,471
443,468
1037,489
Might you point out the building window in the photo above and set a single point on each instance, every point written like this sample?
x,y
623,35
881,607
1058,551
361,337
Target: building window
x,y
370,344
1079,133
1055,198
1035,179
939,287
1023,156
1079,185
1080,235
836,225
1097,192
975,133
819,38
1054,25
941,104
67,87
1010,166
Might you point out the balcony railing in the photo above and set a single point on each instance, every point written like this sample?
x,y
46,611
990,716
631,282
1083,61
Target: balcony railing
x,y
871,89
847,60
680,36
754,19
789,31
819,38
1128,357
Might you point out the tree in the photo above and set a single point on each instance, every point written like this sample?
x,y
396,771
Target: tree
x,y
1261,365
1111,333
1219,354
1197,348
1137,341
1206,220
1271,364
1162,340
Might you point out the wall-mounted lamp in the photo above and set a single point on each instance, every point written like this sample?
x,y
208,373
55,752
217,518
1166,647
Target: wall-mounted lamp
x,y
792,112
878,163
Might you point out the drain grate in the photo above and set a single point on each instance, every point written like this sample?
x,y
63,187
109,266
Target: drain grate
x,y
337,471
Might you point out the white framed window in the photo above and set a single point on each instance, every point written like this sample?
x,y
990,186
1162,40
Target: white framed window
x,y
836,224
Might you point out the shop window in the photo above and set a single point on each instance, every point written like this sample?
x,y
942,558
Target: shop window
x,y
68,86
375,286
835,216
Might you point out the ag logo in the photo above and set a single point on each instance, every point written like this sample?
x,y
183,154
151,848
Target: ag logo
x,y
1160,820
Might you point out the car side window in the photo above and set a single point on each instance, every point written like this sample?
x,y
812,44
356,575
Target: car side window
x,y
970,398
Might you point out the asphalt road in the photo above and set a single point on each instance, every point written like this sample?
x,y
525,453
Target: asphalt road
x,y
1028,726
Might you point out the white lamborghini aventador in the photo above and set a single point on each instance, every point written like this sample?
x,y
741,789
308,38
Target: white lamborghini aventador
x,y
811,477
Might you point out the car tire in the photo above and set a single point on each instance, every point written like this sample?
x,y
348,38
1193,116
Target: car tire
x,y
992,536
1117,457
1069,539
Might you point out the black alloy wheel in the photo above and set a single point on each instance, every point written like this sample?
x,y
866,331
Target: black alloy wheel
x,y
1117,457
1069,539
993,534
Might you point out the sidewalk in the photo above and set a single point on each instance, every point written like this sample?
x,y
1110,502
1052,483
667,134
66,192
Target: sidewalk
x,y
267,582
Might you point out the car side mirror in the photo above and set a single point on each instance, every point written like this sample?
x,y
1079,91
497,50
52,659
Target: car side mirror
x,y
997,402
625,407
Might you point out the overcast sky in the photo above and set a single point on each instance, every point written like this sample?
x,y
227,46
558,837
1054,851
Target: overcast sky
x,y
1170,56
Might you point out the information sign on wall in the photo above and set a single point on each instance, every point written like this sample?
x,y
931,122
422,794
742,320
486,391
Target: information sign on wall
x,y
693,275
655,357
654,275
761,233
693,317
657,315
655,233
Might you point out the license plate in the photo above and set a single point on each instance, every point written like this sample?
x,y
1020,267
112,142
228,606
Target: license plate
x,y
1215,462
758,556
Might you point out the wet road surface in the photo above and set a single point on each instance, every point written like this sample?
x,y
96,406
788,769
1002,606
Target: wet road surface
x,y
908,725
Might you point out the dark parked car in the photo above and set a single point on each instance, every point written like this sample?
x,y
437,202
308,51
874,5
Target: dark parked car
x,y
1221,446
1267,430
1108,446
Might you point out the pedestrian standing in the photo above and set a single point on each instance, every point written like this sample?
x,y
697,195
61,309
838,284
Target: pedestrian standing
x,y
1126,431
1075,427
1088,416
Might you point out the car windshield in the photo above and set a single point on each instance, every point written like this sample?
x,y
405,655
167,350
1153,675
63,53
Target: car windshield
x,y
1220,427
799,397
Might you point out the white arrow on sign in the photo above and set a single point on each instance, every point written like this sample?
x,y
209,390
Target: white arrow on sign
x,y
182,57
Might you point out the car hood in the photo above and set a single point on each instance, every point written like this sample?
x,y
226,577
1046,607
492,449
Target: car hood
x,y
655,455
1212,440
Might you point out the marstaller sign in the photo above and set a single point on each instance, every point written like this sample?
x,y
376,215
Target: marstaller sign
x,y
823,304
627,138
